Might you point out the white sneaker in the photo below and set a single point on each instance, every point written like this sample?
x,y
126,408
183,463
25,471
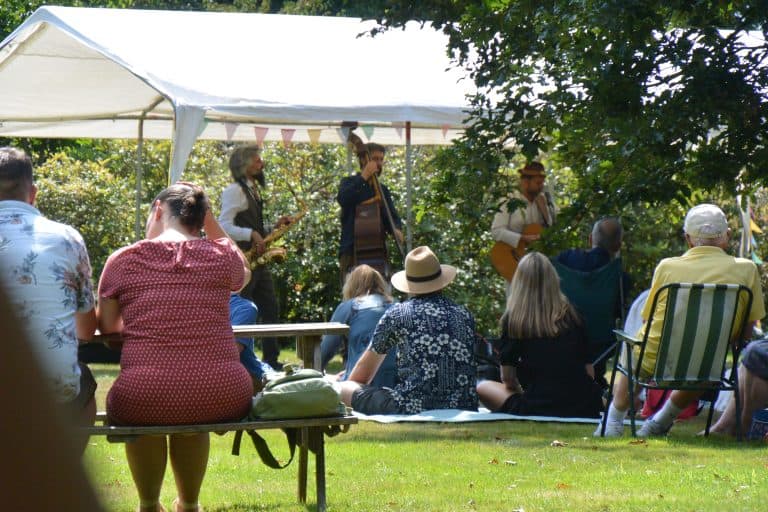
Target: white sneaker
x,y
611,429
652,428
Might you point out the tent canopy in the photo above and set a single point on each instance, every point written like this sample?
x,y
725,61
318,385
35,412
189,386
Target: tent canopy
x,y
92,72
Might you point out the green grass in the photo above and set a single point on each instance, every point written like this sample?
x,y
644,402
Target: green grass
x,y
471,466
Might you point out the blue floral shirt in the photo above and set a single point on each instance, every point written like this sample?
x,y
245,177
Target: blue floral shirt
x,y
45,267
435,365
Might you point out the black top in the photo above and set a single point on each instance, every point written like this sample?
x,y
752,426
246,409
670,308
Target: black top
x,y
552,374
353,190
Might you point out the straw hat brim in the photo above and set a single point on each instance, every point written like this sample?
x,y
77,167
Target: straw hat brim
x,y
447,275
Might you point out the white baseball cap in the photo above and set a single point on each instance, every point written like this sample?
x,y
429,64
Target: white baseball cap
x,y
705,221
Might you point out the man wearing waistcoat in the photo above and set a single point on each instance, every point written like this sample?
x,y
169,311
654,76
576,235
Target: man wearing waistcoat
x,y
242,217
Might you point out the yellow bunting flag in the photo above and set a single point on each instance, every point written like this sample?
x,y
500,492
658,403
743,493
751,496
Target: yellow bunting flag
x,y
754,227
314,135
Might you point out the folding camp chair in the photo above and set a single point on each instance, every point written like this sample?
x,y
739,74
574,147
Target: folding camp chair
x,y
598,296
702,324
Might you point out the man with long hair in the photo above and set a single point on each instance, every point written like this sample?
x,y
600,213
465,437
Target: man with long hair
x,y
242,217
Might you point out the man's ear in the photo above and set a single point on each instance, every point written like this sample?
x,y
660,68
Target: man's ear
x,y
32,194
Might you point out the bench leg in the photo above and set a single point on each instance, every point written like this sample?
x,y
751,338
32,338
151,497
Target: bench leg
x,y
318,443
308,350
303,456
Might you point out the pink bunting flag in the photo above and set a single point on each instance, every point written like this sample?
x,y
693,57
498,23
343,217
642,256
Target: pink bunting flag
x,y
261,133
314,135
445,129
398,129
368,131
287,135
230,128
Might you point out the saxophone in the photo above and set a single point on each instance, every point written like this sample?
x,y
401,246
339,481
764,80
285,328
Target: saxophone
x,y
275,254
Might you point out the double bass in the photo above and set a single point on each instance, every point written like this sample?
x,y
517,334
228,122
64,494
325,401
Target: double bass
x,y
369,234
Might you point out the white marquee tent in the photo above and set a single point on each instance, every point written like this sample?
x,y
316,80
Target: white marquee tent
x,y
114,73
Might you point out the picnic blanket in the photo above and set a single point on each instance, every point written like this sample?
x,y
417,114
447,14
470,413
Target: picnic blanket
x,y
459,416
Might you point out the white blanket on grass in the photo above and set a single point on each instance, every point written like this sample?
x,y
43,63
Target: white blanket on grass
x,y
459,416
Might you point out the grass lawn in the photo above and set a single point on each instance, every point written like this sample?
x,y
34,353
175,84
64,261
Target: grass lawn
x,y
491,466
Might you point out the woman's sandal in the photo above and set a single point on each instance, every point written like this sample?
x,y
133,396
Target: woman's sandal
x,y
157,505
180,506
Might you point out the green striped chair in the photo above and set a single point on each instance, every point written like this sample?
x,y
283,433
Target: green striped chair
x,y
703,323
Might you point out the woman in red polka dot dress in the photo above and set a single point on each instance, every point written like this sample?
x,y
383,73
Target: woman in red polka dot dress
x,y
169,297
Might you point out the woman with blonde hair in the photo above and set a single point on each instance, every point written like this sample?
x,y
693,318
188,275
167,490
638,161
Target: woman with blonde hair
x,y
545,367
365,300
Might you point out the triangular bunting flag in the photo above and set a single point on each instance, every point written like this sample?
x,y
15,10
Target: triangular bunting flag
x,y
287,135
368,131
754,227
230,128
261,133
314,135
445,129
756,259
343,134
398,129
753,241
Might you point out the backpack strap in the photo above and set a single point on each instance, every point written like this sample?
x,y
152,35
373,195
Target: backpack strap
x,y
263,450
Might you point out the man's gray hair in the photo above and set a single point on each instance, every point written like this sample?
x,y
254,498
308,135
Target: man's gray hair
x,y
607,234
240,159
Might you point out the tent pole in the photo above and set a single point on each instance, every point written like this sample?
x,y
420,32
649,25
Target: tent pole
x,y
139,173
408,189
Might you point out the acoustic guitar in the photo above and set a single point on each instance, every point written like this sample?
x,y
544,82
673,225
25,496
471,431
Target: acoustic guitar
x,y
505,258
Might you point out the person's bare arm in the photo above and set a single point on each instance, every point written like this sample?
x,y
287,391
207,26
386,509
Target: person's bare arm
x,y
214,230
366,367
85,325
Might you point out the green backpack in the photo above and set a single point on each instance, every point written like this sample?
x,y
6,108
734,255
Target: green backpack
x,y
299,394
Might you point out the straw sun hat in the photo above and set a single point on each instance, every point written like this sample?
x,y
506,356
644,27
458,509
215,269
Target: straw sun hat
x,y
423,273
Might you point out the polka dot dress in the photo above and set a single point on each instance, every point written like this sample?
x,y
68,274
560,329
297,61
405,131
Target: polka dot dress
x,y
179,363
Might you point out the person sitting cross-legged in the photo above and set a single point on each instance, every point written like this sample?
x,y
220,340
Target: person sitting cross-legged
x,y
545,365
707,234
753,389
434,338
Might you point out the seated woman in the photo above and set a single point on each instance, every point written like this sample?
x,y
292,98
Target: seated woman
x,y
365,301
545,366
168,295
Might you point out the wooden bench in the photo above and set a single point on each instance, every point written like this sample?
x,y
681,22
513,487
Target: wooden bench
x,y
308,336
311,430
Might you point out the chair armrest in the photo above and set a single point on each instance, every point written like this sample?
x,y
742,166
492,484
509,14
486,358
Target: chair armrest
x,y
625,337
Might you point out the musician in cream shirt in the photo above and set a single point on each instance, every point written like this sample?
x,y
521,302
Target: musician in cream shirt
x,y
538,209
242,217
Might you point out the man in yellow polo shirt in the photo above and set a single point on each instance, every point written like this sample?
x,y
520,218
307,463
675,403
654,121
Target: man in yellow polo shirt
x,y
707,234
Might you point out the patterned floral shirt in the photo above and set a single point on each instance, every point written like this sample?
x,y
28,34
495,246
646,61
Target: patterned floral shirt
x,y
45,267
435,365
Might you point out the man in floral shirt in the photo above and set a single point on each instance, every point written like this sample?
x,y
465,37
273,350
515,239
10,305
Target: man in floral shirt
x,y
45,268
434,338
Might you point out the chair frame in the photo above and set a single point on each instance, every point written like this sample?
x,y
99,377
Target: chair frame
x,y
724,383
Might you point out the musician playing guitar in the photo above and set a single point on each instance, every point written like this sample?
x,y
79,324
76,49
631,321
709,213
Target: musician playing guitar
x,y
513,231
356,192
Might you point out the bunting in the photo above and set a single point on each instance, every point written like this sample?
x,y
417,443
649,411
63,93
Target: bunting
x,y
368,131
261,133
343,134
314,135
398,129
287,135
230,128
445,129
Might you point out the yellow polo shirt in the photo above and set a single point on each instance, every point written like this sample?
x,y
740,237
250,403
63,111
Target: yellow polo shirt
x,y
703,264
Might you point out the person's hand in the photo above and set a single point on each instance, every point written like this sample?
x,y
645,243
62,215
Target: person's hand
x,y
369,170
399,236
258,243
530,238
283,221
